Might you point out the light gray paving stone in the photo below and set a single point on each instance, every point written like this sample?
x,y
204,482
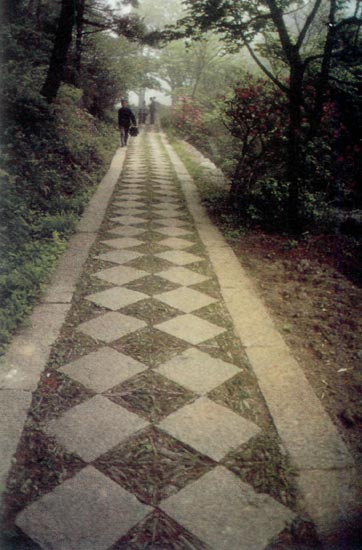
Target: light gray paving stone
x,y
103,369
92,428
115,298
185,299
129,212
128,220
179,257
111,326
86,512
176,243
128,203
120,275
131,195
125,242
182,276
170,213
126,231
119,256
14,406
209,428
198,371
226,513
172,222
190,328
165,205
173,231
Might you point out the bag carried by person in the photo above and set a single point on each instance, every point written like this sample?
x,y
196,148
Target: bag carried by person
x,y
133,131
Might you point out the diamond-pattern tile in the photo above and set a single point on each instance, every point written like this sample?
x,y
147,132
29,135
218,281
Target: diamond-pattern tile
x,y
176,243
126,242
198,371
148,395
111,326
94,427
129,202
185,299
103,369
86,512
120,256
115,298
167,465
169,213
209,428
120,275
182,276
126,231
173,222
190,328
128,220
179,257
226,513
151,346
173,231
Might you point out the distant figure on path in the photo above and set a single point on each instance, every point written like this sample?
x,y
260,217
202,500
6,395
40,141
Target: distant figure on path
x,y
142,113
153,109
125,119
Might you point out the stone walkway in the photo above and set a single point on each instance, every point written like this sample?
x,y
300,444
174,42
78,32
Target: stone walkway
x,y
148,406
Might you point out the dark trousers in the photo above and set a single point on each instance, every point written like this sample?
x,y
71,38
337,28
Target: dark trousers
x,y
124,134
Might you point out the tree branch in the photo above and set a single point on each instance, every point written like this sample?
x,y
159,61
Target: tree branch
x,y
263,68
308,23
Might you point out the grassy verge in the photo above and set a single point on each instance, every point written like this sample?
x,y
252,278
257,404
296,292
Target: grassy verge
x,y
52,163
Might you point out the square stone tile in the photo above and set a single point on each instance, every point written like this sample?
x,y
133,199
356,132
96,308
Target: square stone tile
x,y
190,328
226,513
115,298
103,369
182,276
169,213
198,371
148,395
126,231
176,243
209,428
86,512
120,275
173,231
93,427
172,222
129,195
129,202
165,205
125,242
128,220
123,211
119,256
111,326
179,257
185,299
167,466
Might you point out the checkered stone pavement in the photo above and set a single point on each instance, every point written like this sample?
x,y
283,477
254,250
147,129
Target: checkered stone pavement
x,y
149,439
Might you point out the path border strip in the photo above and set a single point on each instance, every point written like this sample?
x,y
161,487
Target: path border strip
x,y
28,353
327,476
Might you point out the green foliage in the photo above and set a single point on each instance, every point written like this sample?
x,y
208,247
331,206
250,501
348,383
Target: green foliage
x,y
24,271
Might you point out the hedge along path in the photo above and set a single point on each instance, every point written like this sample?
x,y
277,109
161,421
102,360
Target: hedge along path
x,y
148,425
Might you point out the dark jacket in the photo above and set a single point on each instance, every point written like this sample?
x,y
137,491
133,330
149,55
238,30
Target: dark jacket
x,y
126,117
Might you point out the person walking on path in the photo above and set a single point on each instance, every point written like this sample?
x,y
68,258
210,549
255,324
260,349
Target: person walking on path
x,y
142,114
125,119
153,109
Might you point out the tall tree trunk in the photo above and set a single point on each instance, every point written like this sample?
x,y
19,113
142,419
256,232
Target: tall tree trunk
x,y
295,164
80,7
58,57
